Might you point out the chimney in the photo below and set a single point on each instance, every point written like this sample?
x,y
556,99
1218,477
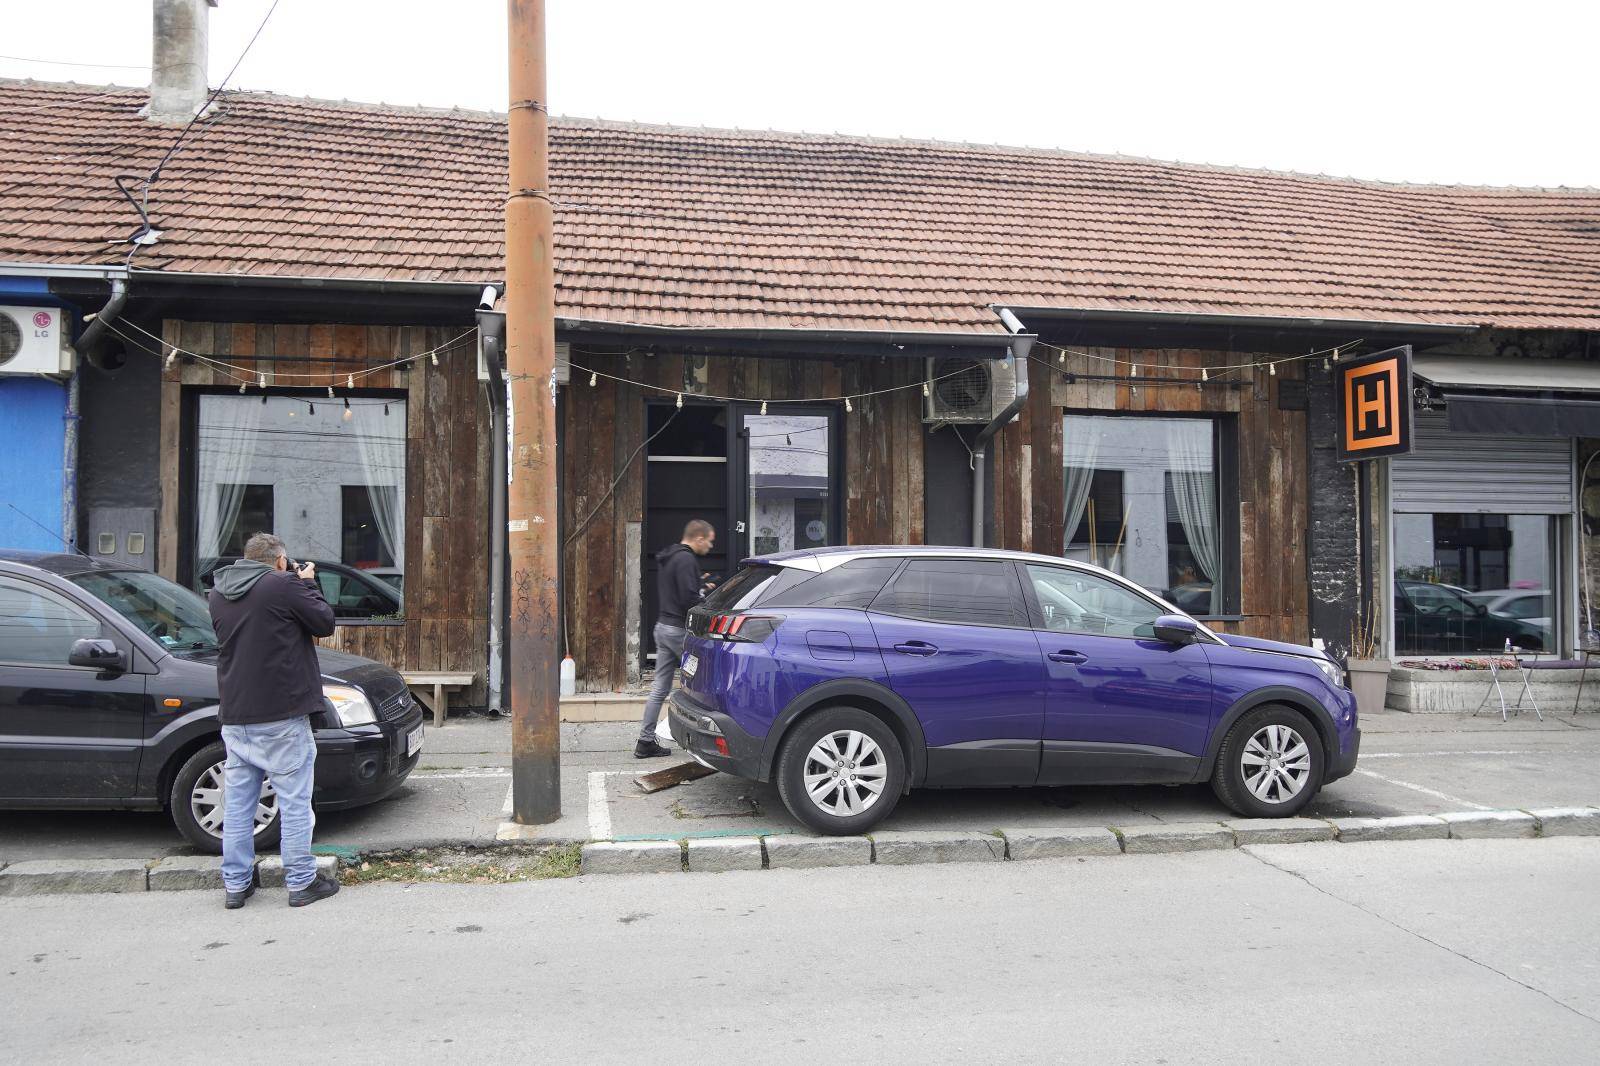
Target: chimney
x,y
178,60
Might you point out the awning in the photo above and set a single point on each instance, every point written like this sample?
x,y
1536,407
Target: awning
x,y
1518,397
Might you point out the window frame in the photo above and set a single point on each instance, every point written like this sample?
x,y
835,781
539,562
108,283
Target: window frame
x,y
188,517
906,561
1225,464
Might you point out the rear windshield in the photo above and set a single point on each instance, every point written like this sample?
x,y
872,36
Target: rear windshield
x,y
740,590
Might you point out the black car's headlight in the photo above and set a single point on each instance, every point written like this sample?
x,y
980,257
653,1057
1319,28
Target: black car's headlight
x,y
350,705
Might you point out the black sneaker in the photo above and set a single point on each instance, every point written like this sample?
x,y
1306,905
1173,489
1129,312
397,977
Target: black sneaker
x,y
321,888
649,749
236,900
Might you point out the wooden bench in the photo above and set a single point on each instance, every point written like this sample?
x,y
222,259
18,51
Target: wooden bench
x,y
442,684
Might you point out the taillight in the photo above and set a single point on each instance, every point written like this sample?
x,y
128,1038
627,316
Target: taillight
x,y
744,628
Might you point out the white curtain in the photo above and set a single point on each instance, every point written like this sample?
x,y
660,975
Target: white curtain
x,y
228,433
1194,489
382,445
1081,445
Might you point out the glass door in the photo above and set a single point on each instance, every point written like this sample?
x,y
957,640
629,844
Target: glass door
x,y
789,481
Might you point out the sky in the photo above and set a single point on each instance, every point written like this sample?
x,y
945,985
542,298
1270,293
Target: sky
x,y
1404,90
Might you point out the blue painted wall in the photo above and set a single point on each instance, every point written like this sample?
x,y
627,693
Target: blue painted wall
x,y
32,434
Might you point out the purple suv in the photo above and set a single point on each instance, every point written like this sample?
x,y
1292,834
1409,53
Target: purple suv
x,y
851,675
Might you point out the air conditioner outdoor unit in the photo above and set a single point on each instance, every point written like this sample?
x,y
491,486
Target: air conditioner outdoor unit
x,y
563,363
34,340
968,390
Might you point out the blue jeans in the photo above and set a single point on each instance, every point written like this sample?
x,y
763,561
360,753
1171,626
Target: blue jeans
x,y
285,752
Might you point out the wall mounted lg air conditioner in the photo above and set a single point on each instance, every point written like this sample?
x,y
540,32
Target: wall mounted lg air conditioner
x,y
34,340
968,390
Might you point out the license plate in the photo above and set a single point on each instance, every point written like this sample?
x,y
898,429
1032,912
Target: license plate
x,y
413,742
691,663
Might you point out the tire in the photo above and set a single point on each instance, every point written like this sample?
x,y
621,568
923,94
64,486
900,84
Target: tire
x,y
1248,784
813,743
196,784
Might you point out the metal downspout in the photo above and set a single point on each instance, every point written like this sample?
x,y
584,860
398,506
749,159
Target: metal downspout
x,y
104,317
491,326
69,447
1017,355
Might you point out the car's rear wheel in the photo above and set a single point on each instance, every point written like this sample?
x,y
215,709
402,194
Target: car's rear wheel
x,y
1270,764
841,771
196,802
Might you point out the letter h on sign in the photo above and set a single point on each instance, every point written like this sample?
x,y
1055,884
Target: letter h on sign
x,y
1374,404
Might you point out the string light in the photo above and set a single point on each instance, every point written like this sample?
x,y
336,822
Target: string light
x,y
349,381
172,357
241,388
927,390
1203,375
330,392
680,399
385,410
1272,370
1062,358
763,407
594,379
434,355
261,380
847,406
311,408
263,399
348,414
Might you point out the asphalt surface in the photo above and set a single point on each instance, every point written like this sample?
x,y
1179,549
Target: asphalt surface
x,y
1422,952
1410,764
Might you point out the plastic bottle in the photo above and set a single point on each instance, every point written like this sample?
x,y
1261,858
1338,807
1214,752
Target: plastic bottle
x,y
569,676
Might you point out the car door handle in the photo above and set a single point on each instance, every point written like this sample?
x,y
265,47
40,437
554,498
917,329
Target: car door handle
x,y
1067,657
916,647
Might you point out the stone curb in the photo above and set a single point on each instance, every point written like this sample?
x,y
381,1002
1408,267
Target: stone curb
x,y
1166,837
720,854
632,857
902,848
269,871
1471,825
1399,827
1567,821
1023,844
39,877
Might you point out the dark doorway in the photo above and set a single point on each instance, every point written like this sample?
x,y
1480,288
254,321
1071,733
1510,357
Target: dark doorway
x,y
947,485
686,477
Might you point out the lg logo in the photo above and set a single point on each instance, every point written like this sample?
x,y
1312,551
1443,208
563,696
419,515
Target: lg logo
x,y
43,320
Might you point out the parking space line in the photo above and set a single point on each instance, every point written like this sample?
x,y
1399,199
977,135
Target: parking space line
x,y
1426,791
599,808
1434,754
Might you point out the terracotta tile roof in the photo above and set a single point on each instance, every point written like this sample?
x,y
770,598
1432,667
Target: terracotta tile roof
x,y
710,228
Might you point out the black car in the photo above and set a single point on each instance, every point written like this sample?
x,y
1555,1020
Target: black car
x,y
108,699
352,593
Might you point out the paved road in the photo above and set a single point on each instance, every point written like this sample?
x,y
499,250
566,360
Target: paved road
x,y
1422,952
1409,764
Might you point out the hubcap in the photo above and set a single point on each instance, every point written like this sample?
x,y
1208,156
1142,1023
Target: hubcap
x,y
1276,763
845,773
205,801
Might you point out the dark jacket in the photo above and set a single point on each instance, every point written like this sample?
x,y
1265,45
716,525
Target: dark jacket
x,y
678,584
265,621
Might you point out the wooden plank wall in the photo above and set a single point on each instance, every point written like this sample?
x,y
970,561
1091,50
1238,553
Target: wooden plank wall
x,y
1272,465
605,424
447,472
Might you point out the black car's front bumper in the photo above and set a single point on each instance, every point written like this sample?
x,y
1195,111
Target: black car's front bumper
x,y
698,731
363,764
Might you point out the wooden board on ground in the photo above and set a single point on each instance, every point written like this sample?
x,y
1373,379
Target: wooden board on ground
x,y
673,776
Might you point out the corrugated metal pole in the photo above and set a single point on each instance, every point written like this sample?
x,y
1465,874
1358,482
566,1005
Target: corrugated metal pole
x,y
531,500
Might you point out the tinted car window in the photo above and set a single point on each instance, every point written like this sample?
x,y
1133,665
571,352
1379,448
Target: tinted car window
x,y
977,592
1072,601
37,626
168,612
851,584
353,597
741,589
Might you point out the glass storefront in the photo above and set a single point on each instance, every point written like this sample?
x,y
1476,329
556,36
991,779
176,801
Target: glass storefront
x,y
1468,584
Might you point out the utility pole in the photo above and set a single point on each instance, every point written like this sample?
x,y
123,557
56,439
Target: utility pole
x,y
531,496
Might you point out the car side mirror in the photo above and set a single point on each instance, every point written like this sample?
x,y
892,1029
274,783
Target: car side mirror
x,y
1176,629
98,654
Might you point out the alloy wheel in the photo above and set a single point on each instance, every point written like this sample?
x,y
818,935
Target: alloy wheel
x,y
205,801
845,772
1276,763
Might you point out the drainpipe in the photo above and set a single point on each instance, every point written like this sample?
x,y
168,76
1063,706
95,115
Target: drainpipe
x,y
491,333
1016,358
102,318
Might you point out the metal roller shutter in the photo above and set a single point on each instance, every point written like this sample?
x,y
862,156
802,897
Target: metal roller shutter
x,y
1451,473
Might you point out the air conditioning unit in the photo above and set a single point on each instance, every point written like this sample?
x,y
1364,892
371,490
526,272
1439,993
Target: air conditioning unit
x,y
961,389
563,362
34,340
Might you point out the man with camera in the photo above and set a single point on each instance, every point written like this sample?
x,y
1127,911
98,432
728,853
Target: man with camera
x,y
268,613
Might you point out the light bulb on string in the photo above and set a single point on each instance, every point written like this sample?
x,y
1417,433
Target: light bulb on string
x,y
241,388
172,357
330,392
1062,358
927,390
1272,370
847,406
594,379
263,399
763,407
348,414
434,355
1203,375
311,408
680,400
349,381
385,410
261,380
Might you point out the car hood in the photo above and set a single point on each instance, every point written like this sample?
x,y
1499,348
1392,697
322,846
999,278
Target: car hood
x,y
381,683
1233,640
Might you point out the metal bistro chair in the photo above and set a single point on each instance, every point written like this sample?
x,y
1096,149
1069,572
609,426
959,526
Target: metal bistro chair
x,y
1526,664
1590,648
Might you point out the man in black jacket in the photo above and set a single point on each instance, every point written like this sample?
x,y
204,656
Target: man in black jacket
x,y
680,585
267,620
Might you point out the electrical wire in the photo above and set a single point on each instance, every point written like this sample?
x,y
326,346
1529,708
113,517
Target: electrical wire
x,y
65,103
918,384
73,63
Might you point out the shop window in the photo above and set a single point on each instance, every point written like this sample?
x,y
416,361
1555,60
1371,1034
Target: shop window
x,y
1142,500
328,479
1467,584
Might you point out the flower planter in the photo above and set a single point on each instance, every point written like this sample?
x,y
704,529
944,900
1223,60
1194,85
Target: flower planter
x,y
1369,680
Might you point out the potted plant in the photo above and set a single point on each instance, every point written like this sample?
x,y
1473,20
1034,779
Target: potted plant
x,y
1369,675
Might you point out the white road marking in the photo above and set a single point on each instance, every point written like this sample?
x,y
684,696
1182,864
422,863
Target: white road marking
x,y
477,772
1426,791
599,809
1434,754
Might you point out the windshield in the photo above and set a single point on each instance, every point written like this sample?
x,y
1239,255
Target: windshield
x,y
175,617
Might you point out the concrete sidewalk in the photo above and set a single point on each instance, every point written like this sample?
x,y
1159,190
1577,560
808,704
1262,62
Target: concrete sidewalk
x,y
459,794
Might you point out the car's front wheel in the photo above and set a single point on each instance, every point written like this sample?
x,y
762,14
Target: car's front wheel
x,y
841,771
1270,764
196,802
